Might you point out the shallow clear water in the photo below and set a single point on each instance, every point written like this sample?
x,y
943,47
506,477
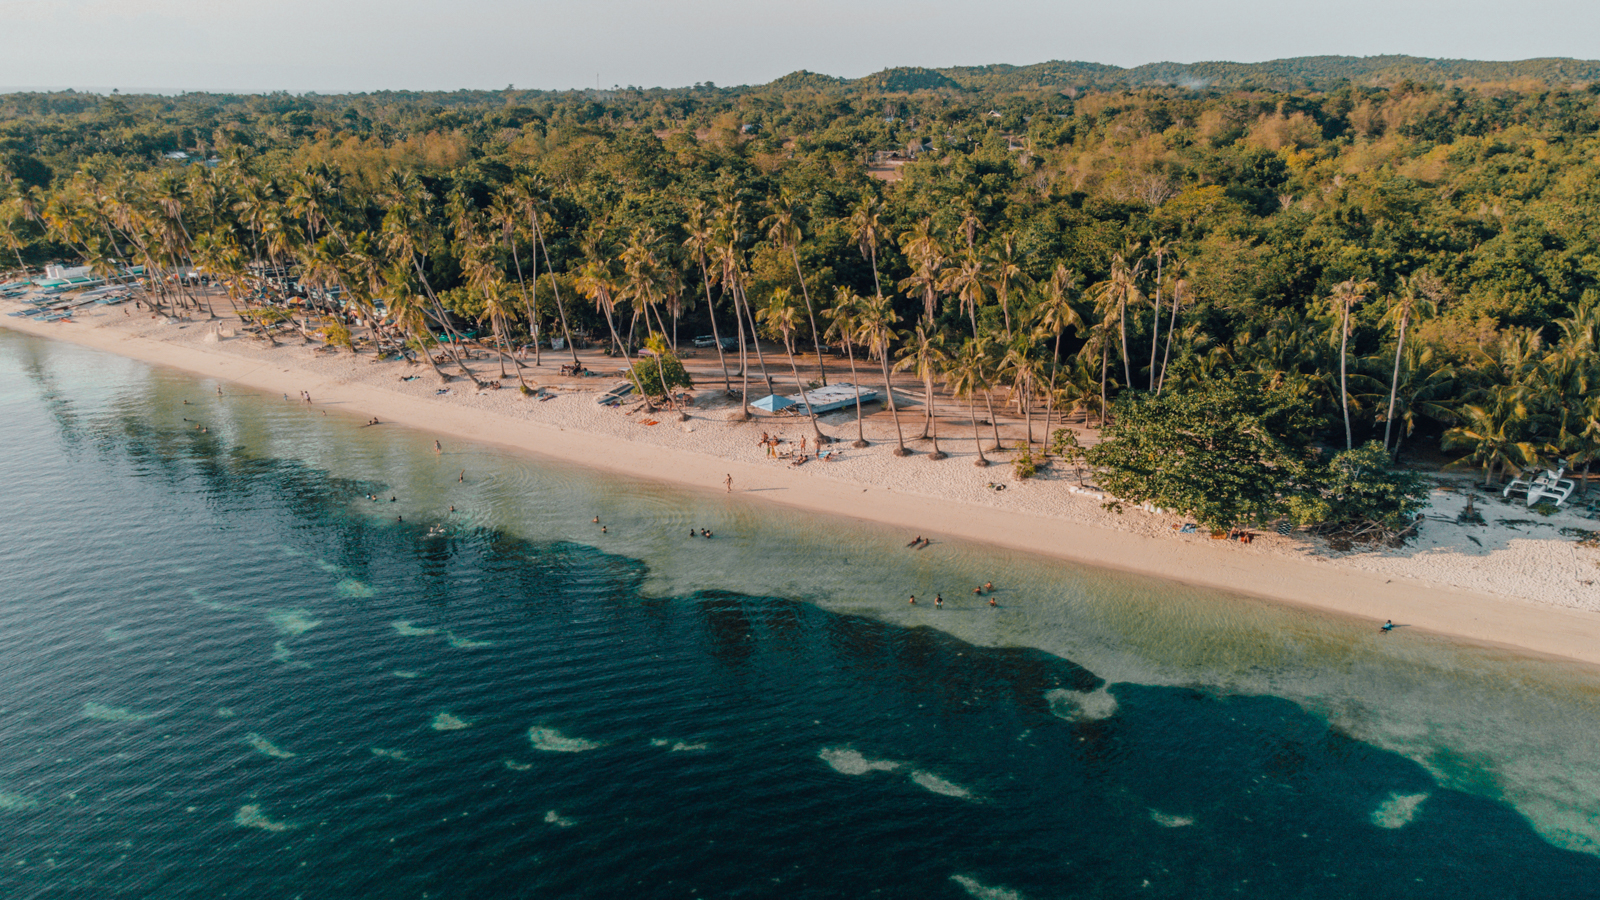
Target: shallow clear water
x,y
225,672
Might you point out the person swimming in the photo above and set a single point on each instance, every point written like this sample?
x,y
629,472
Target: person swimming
x,y
913,599
988,586
992,603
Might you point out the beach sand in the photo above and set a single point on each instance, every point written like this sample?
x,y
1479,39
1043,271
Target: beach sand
x,y
1521,580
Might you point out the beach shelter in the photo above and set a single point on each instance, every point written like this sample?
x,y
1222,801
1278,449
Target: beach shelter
x,y
772,403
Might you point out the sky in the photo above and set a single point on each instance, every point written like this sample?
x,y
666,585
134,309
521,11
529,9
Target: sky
x,y
331,46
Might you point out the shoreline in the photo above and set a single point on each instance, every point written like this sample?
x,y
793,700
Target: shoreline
x,y
917,496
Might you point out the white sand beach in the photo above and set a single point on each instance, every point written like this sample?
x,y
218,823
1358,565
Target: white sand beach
x,y
1521,580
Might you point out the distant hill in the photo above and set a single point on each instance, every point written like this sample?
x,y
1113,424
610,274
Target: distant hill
x,y
1316,72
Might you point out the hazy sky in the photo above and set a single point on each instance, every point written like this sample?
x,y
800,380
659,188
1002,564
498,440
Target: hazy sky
x,y
354,45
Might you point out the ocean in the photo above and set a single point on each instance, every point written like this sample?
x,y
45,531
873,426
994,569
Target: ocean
x,y
247,649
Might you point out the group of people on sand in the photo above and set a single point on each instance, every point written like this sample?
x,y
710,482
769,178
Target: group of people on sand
x,y
938,599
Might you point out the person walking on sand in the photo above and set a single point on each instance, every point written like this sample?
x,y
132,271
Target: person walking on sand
x,y
437,449
729,482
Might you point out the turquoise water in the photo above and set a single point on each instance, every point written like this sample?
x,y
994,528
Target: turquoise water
x,y
226,672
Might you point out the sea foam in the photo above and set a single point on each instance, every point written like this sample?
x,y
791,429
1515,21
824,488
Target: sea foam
x,y
553,741
406,629
396,755
554,818
461,643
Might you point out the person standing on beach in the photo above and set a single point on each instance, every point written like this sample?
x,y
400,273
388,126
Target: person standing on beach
x,y
729,483
437,449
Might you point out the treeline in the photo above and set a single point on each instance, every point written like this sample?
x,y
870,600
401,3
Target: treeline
x,y
1417,257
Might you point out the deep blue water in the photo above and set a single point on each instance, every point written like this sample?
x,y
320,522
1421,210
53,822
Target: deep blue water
x,y
223,674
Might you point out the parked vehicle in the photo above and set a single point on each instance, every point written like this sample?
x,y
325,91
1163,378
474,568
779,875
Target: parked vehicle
x,y
706,340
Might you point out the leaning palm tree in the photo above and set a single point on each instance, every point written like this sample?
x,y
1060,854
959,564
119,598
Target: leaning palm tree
x,y
1412,305
925,356
1346,295
844,322
505,216
875,330
700,235
782,316
968,377
783,229
596,282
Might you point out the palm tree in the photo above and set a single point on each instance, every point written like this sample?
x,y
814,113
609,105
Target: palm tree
x,y
527,195
1345,295
1003,273
1056,313
1022,369
1180,288
925,355
927,257
867,232
1494,437
1159,249
844,323
968,377
1411,304
783,316
875,330
506,217
596,282
1117,292
700,235
966,283
784,230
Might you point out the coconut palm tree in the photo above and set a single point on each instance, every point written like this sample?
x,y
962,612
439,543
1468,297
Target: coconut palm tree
x,y
925,355
1159,249
969,373
1056,313
844,322
1020,367
506,218
966,282
867,231
1119,291
596,282
783,229
700,235
782,315
1412,305
927,258
1345,296
1180,291
875,330
1004,274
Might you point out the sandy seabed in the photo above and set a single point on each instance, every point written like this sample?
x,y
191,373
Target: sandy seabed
x,y
1520,580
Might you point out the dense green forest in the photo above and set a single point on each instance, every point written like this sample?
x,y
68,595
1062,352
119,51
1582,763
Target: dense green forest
x,y
1407,246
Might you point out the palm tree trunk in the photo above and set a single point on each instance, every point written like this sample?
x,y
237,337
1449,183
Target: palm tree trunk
x,y
888,393
1344,392
1166,354
1394,383
744,364
806,293
977,436
855,382
988,399
1104,354
1122,325
556,287
788,346
711,313
933,420
755,339
530,305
